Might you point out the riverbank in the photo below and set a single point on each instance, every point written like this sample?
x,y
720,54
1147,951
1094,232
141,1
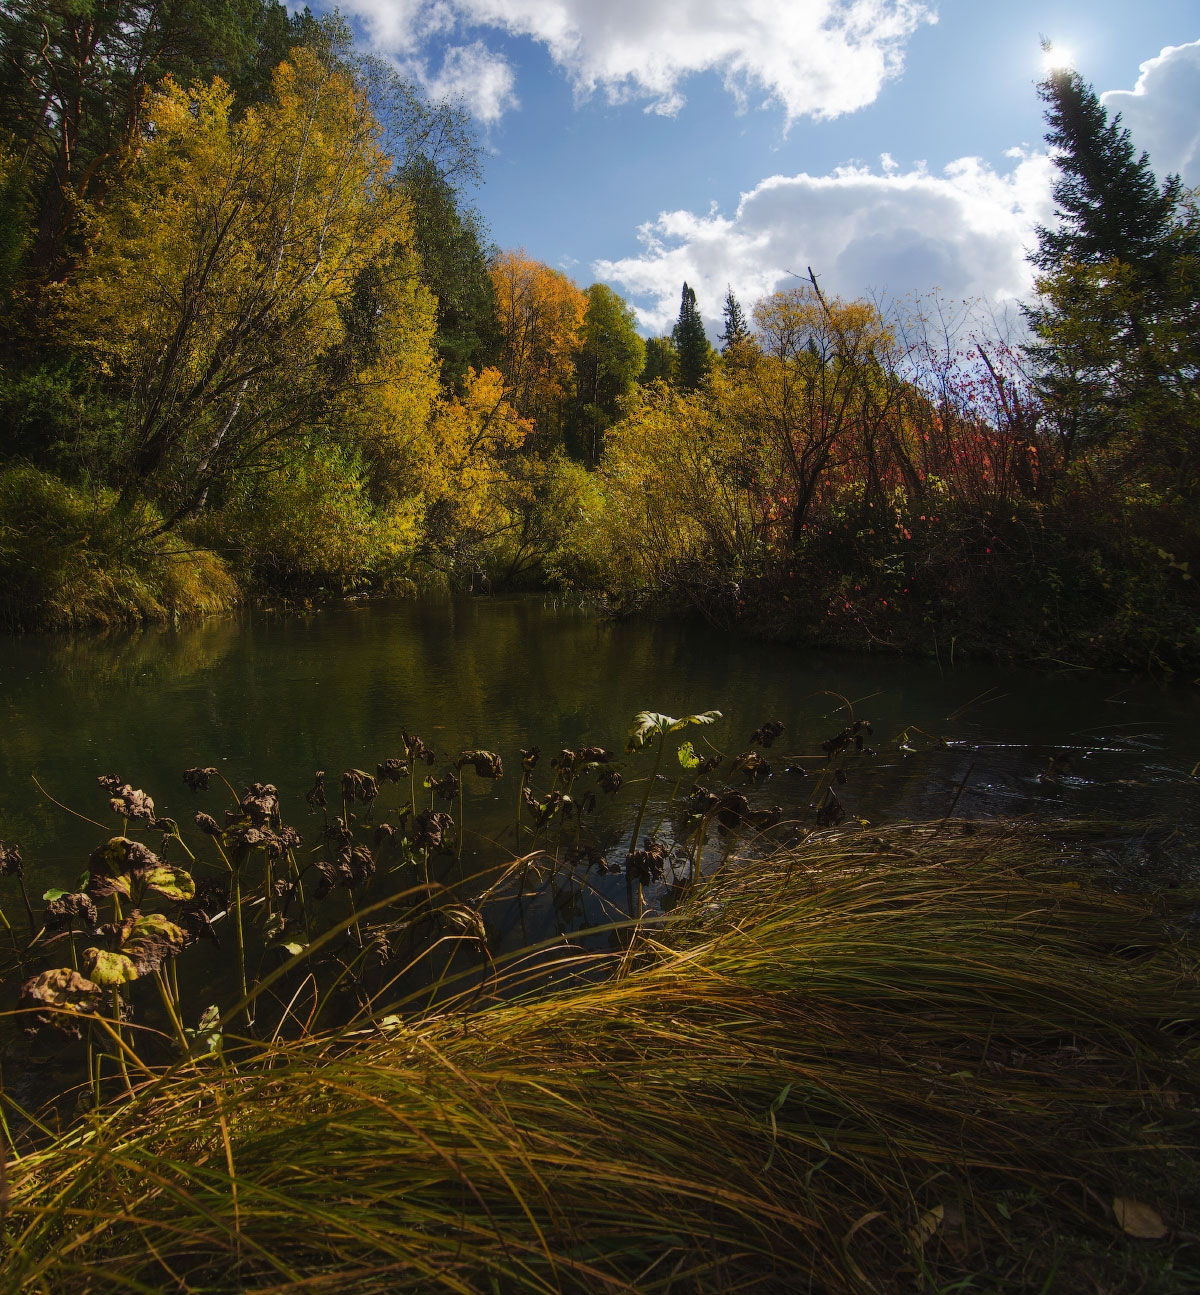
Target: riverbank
x,y
927,1055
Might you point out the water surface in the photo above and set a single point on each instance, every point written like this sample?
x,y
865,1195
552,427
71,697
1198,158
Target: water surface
x,y
272,698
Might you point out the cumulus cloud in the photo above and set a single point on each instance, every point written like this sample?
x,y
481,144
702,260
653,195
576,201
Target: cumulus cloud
x,y
481,79
888,233
1162,113
817,58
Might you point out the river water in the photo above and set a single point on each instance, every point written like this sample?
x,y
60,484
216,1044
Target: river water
x,y
272,698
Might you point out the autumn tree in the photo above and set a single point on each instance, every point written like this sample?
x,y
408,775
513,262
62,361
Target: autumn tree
x,y
539,312
691,342
610,358
222,286
74,79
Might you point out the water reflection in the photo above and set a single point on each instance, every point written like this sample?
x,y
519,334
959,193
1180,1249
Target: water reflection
x,y
272,699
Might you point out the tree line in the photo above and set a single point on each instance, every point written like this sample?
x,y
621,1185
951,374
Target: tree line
x,y
255,339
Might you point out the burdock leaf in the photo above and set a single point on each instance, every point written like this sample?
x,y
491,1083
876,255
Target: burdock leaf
x,y
1139,1220
152,941
169,882
146,941
648,724
107,968
62,988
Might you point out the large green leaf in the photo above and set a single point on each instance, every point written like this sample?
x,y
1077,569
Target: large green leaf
x,y
649,724
166,880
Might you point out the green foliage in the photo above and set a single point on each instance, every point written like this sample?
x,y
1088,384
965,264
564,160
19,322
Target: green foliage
x,y
1117,339
310,522
662,364
450,242
67,560
691,343
610,358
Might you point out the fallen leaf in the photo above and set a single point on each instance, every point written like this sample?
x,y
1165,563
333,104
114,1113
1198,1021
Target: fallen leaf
x,y
927,1225
1139,1220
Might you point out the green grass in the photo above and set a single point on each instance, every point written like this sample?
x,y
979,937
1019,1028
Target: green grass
x,y
774,1089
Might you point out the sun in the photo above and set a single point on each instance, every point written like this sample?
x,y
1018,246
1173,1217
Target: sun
x,y
1057,59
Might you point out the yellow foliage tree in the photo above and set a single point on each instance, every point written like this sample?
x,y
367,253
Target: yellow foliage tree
x,y
472,478
540,314
222,295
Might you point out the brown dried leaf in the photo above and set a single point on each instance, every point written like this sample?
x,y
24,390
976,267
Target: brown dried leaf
x,y
1139,1220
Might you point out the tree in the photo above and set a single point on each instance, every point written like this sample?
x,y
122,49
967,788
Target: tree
x,y
74,78
736,331
450,242
691,342
540,313
610,358
662,364
1117,344
247,279
1108,201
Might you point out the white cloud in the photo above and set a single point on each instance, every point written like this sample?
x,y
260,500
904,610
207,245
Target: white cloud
x,y
483,80
1162,111
893,233
818,58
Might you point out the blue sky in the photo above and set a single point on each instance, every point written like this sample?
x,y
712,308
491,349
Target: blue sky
x,y
895,145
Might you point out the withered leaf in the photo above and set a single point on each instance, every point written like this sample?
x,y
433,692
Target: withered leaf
x,y
197,779
1138,1220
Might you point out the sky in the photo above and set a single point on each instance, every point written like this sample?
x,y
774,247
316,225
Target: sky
x,y
895,146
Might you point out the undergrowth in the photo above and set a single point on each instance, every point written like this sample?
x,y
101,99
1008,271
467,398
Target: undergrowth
x,y
923,1058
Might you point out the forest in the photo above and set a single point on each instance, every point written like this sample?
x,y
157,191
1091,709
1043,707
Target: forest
x,y
256,344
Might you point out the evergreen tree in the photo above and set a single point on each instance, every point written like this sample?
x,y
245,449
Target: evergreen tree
x,y
736,328
1108,200
1117,345
691,342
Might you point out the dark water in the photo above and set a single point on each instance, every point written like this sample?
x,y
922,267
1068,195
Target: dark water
x,y
273,699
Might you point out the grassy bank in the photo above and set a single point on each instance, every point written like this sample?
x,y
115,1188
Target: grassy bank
x,y
924,1058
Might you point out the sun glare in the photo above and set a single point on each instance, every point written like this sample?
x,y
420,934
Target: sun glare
x,y
1057,59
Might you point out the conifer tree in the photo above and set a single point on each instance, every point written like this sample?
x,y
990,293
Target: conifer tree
x,y
691,342
1107,197
1116,342
736,328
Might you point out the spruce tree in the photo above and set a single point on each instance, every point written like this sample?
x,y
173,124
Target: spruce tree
x,y
1117,345
691,342
1107,197
736,328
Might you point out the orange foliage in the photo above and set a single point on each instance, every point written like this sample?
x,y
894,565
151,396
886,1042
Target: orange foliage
x,y
540,312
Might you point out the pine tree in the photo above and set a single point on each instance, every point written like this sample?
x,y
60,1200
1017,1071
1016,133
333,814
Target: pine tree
x,y
736,328
691,342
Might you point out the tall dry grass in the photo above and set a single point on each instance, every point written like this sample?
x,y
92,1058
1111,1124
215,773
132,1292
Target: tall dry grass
x,y
913,1059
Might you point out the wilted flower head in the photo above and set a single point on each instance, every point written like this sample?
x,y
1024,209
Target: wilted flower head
x,y
197,779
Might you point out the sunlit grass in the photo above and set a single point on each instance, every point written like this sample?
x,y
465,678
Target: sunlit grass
x,y
878,1060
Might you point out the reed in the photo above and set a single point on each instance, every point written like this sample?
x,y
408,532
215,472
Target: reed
x,y
882,1061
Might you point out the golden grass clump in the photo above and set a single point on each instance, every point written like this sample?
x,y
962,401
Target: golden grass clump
x,y
907,1060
